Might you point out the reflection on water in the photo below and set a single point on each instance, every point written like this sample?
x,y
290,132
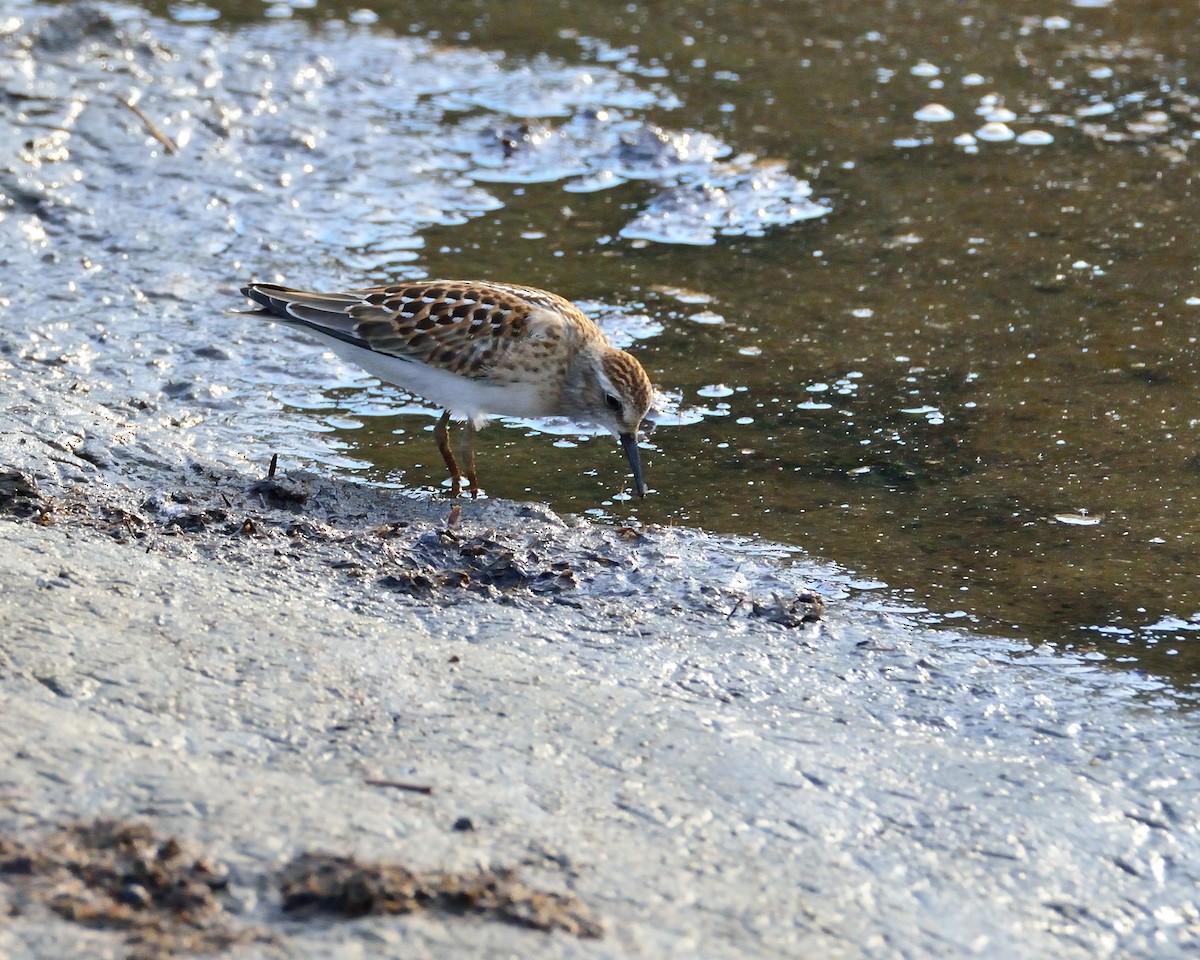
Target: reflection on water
x,y
973,377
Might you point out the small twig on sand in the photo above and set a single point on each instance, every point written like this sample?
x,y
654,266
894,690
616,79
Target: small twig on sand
x,y
399,785
271,468
151,128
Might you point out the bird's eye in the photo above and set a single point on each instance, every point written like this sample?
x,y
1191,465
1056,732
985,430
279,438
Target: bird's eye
x,y
614,403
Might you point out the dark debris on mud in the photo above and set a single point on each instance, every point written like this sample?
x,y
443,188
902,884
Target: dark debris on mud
x,y
422,557
122,876
19,494
323,883
448,559
806,607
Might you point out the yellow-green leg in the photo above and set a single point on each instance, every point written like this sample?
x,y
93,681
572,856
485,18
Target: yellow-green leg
x,y
441,433
467,452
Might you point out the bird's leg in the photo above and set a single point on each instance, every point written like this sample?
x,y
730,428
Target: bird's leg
x,y
467,451
441,433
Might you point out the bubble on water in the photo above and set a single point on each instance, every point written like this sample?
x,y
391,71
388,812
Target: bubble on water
x,y
1173,624
715,390
554,426
973,80
862,313
623,325
363,17
683,295
193,13
1056,23
594,183
750,351
1150,123
708,317
934,113
668,411
924,69
1090,4
1080,518
1100,73
587,99
1035,138
997,114
734,199
995,132
1192,301
813,405
1098,109
910,143
965,140
817,387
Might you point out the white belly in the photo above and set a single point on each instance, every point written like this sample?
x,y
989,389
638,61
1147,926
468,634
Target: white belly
x,y
472,399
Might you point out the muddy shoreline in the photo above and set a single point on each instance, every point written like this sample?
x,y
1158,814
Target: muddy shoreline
x,y
263,669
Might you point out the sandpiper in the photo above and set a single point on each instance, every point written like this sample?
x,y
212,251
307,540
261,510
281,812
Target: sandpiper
x,y
477,348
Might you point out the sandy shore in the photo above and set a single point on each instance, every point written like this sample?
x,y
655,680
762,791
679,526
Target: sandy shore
x,y
264,669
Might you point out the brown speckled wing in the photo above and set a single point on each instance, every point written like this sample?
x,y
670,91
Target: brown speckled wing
x,y
460,327
464,327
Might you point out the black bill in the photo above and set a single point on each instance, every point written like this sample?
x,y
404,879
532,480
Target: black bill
x,y
629,445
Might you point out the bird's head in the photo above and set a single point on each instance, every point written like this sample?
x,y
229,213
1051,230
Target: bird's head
x,y
610,388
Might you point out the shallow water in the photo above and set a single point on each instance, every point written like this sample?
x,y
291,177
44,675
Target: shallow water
x,y
963,367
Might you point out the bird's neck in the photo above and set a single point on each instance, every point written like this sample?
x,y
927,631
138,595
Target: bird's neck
x,y
580,381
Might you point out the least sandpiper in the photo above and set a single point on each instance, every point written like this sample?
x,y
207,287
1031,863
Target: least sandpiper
x,y
475,349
